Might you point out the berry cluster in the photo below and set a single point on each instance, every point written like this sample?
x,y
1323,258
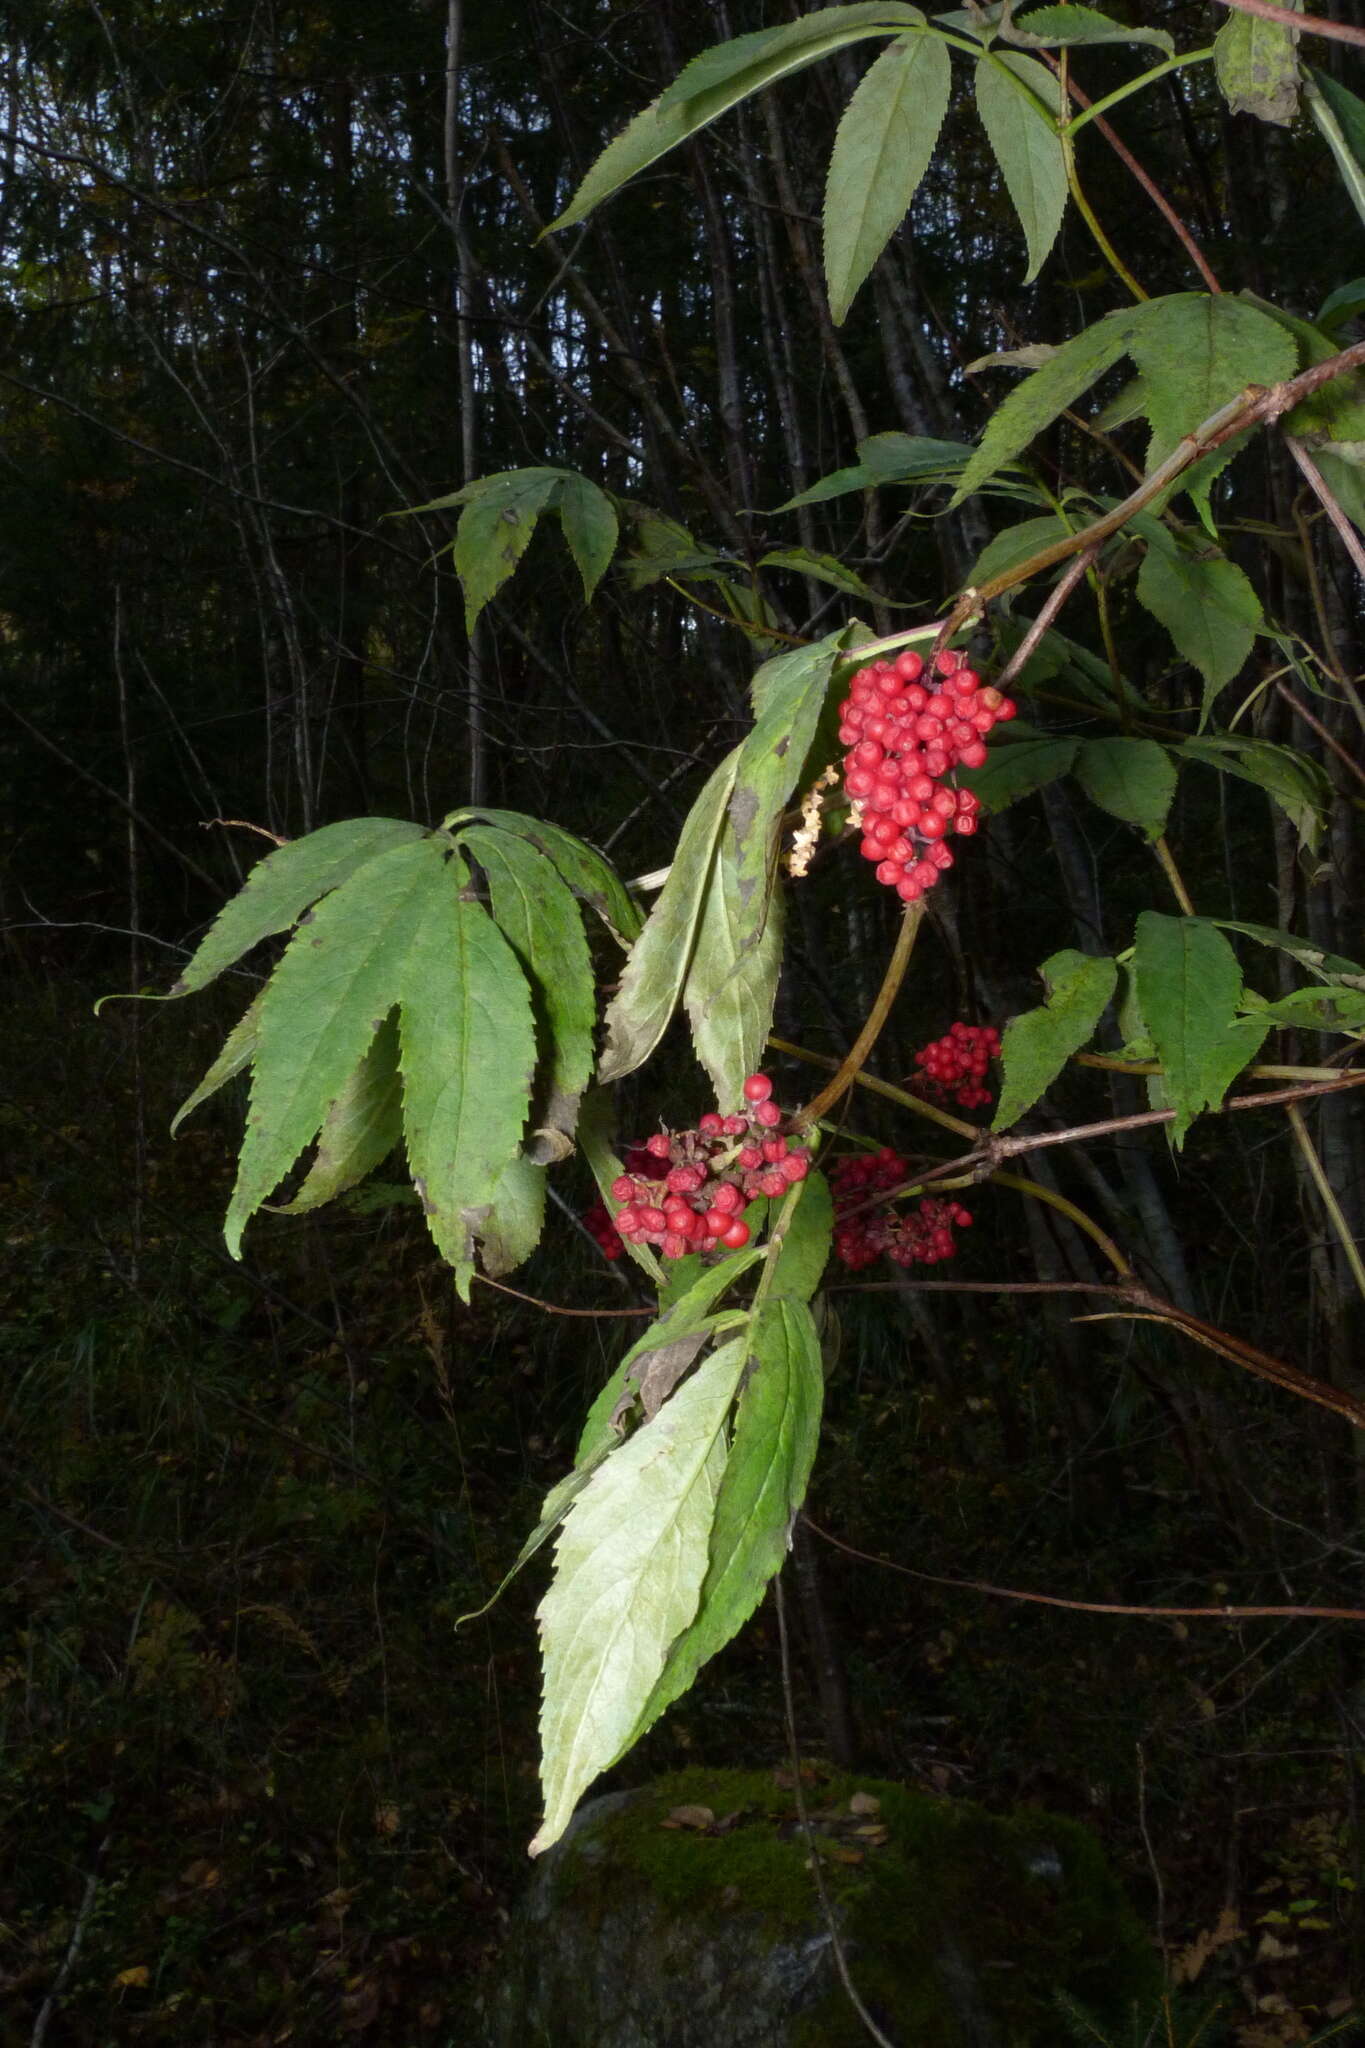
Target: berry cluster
x,y
709,1176
922,1238
954,1067
904,739
599,1222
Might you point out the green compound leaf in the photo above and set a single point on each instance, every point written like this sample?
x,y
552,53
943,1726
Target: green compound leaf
x,y
1059,27
719,79
657,968
1018,766
630,1563
1131,779
1037,1045
1037,402
776,1431
1195,353
1257,67
537,915
359,1130
495,529
882,150
280,888
1190,988
239,1050
1019,101
1206,604
339,978
588,519
468,1059
588,873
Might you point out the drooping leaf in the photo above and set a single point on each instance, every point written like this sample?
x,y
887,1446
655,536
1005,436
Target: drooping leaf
x,y
495,530
881,151
719,79
1019,766
1019,102
1340,118
1316,1009
657,968
1059,27
468,1060
340,976
1347,302
889,459
1132,779
1292,780
239,1050
588,873
508,1226
1190,987
597,1147
1037,1045
732,978
1257,67
789,694
588,518
629,1567
1015,545
280,888
536,913
776,1431
804,1252
1034,404
359,1130
555,1506
824,569
1206,604
1330,966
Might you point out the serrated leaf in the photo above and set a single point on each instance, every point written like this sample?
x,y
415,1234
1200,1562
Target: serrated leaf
x,y
1257,67
495,530
1194,353
588,518
536,913
1128,404
1190,987
330,994
1017,768
1034,404
588,873
1018,100
804,1251
657,968
1208,607
629,1567
1058,27
468,1059
239,1050
719,79
776,1432
509,1225
1037,1045
824,569
788,695
881,151
280,888
1015,545
1132,779
1331,966
359,1130
1316,1009
1340,119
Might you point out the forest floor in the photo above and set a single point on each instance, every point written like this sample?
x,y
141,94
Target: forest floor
x,y
255,1787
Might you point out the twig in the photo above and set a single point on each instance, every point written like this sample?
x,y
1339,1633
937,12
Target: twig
x,y
1301,710
1345,532
1091,1606
817,1869
73,1949
554,1308
1056,598
1309,24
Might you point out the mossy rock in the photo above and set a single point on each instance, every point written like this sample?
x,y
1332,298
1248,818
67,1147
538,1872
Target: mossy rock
x,y
959,1925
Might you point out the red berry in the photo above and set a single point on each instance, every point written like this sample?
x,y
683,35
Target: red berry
x,y
767,1113
757,1088
658,1145
737,1236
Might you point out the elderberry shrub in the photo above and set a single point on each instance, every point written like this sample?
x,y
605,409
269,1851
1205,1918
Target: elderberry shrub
x,y
923,1237
953,1068
709,1175
905,738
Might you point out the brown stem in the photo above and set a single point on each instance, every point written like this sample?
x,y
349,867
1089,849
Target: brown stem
x,y
1345,531
1172,873
1056,598
1308,24
1014,1148
1301,711
848,1072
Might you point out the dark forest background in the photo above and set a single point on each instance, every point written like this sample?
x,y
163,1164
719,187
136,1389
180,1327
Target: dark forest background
x,y
269,277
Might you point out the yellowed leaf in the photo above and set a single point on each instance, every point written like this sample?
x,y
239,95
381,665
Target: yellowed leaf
x,y
135,1979
1227,1929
